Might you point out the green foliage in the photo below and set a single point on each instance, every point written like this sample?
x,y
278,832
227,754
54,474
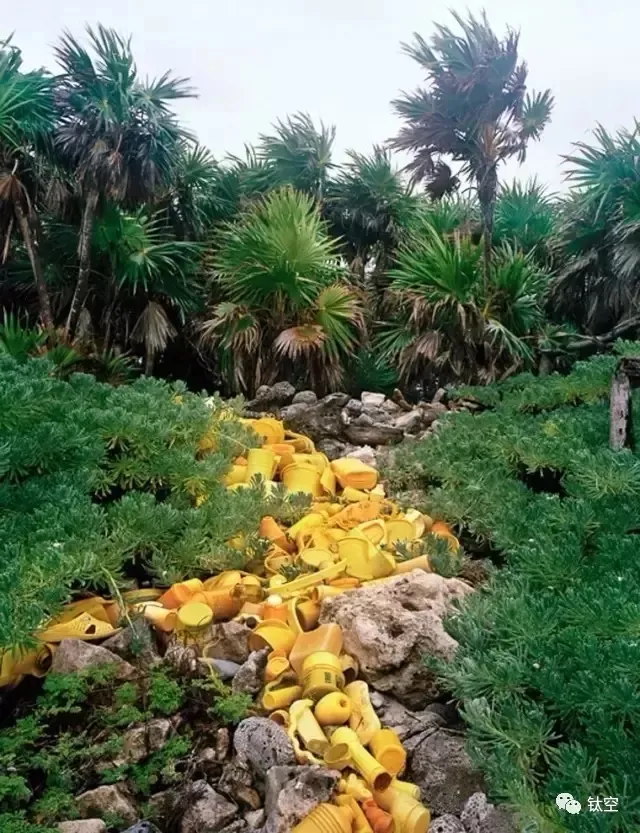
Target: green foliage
x,y
547,666
285,307
99,486
228,707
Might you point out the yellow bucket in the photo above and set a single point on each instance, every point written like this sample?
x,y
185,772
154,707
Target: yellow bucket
x,y
260,462
321,674
302,477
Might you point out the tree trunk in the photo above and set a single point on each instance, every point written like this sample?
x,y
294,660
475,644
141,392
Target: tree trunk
x,y
487,189
36,266
621,428
149,362
84,258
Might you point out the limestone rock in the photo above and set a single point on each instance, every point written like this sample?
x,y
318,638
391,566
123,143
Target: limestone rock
x,y
269,396
446,824
410,422
306,397
142,827
225,670
141,741
390,627
292,792
250,677
365,454
405,723
443,770
83,826
262,744
376,434
431,411
207,811
237,826
74,655
333,449
135,643
223,743
372,400
478,816
320,421
353,407
228,641
235,776
107,800
255,818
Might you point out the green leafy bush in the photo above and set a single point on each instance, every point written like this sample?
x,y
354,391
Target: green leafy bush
x,y
97,487
547,669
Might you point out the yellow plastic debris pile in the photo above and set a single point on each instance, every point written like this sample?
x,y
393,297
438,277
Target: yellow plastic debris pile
x,y
311,687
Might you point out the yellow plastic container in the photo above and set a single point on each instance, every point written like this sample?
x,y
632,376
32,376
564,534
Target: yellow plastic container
x,y
350,669
271,430
326,638
302,477
399,529
321,674
278,695
421,562
333,709
306,582
236,474
180,593
379,819
375,531
326,818
345,741
318,558
277,665
354,473
409,816
274,634
260,462
281,717
194,617
406,787
308,613
305,725
275,608
364,721
161,618
386,748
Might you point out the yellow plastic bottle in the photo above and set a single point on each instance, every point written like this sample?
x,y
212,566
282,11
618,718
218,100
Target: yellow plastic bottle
x,y
346,745
360,823
409,816
364,721
386,748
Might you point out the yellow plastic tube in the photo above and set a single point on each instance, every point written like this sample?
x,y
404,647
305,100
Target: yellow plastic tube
x,y
421,562
305,582
300,711
406,787
345,741
364,721
277,696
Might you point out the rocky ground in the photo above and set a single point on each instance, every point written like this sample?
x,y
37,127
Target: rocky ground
x,y
247,779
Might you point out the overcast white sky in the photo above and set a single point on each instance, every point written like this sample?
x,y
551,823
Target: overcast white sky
x,y
254,61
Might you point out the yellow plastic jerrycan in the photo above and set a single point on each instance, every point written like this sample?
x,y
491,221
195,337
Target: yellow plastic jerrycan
x,y
346,749
386,748
409,816
364,721
326,818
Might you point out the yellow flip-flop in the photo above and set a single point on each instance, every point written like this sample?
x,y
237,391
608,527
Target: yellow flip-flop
x,y
85,627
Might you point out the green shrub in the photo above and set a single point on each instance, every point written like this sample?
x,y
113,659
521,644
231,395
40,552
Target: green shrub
x,y
548,666
97,487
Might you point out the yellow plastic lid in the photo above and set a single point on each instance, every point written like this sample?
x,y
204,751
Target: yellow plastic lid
x,y
195,615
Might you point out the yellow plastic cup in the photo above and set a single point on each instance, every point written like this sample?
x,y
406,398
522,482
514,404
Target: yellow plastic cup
x,y
194,616
302,477
274,634
260,462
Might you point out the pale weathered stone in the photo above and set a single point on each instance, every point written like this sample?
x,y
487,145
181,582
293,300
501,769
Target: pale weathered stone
x,y
75,655
83,826
141,741
107,801
446,824
292,792
261,743
390,627
207,811
372,400
228,641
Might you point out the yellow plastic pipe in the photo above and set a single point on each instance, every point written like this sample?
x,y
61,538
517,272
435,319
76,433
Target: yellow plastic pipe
x,y
364,721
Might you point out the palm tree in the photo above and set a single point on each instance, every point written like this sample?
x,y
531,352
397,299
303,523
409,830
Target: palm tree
x,y
597,240
285,308
116,133
369,208
299,154
476,110
451,325
26,115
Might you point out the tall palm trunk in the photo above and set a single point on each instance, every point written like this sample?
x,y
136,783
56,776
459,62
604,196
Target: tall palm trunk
x,y
84,258
487,191
36,266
